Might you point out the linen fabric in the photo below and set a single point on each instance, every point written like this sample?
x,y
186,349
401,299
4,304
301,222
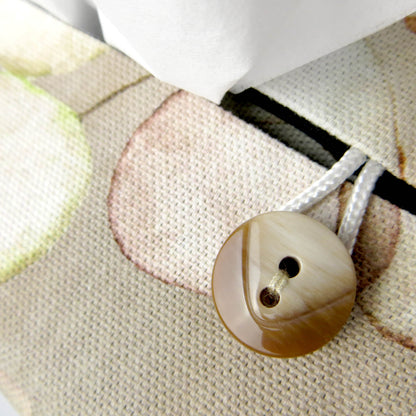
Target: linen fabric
x,y
116,316
364,94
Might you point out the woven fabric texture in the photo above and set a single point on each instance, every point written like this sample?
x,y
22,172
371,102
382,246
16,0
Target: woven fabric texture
x,y
35,44
116,316
364,94
43,180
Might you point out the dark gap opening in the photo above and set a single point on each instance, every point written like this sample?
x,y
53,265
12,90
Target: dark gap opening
x,y
266,114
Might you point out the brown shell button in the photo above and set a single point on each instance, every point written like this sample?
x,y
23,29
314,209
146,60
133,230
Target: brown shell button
x,y
283,284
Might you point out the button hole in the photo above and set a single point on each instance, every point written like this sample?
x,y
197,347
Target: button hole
x,y
269,297
290,265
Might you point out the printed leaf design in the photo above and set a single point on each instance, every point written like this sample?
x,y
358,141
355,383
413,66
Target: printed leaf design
x,y
192,173
45,166
188,177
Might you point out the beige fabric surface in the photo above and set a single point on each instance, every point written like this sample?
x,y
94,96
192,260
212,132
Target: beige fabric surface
x,y
197,183
91,327
42,180
364,94
35,44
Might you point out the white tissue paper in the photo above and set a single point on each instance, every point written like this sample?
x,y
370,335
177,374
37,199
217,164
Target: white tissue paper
x,y
211,46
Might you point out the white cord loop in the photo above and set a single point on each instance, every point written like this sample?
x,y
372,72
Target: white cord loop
x,y
357,203
332,179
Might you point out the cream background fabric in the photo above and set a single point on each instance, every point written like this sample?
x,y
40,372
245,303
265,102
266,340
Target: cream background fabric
x,y
30,39
83,330
364,94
